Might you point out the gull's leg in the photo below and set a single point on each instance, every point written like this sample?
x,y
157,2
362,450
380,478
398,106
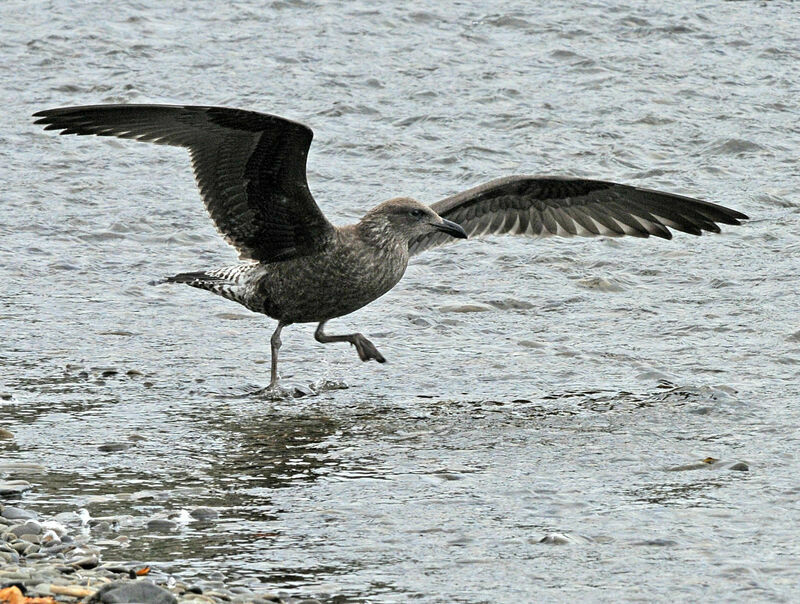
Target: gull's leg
x,y
366,349
275,342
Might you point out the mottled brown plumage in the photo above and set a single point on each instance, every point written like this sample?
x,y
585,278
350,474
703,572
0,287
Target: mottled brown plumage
x,y
251,171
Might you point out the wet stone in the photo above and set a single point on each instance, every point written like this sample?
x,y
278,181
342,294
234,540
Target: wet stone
x,y
14,513
300,391
239,591
115,569
657,543
14,574
31,527
204,513
161,524
113,447
31,538
138,591
54,547
41,589
51,536
86,562
14,488
712,464
11,557
100,526
564,539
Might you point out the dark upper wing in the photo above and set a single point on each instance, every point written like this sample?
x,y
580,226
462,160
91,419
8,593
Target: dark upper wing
x,y
542,206
250,168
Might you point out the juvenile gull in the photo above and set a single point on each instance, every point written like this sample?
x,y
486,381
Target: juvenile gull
x,y
299,268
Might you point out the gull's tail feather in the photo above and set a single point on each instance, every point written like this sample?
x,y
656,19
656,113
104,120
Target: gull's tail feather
x,y
238,283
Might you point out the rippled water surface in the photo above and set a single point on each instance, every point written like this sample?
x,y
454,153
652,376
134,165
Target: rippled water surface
x,y
546,444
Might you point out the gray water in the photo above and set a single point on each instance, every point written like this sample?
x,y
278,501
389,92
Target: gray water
x,y
574,404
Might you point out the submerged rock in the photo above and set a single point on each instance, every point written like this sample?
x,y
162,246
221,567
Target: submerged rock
x,y
709,463
14,488
113,447
204,513
564,539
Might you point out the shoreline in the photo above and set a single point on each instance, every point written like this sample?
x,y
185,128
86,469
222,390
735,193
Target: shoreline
x,y
55,559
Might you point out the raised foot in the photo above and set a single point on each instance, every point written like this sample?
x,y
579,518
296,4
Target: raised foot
x,y
366,349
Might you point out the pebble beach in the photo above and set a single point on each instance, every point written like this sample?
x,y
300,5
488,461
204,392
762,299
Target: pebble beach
x,y
57,558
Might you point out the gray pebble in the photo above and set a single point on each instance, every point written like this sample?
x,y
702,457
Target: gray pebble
x,y
115,569
138,591
31,549
100,526
302,391
657,542
31,538
86,562
564,539
13,513
31,527
204,513
16,574
11,488
38,577
113,447
19,545
11,557
161,524
42,589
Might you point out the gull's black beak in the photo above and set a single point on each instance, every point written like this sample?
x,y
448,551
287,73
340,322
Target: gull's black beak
x,y
451,228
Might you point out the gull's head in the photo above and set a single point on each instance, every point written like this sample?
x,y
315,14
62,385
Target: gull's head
x,y
407,219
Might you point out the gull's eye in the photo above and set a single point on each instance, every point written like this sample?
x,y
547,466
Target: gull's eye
x,y
417,213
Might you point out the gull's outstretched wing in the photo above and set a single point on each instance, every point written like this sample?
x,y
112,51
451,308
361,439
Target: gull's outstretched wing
x,y
543,206
250,168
